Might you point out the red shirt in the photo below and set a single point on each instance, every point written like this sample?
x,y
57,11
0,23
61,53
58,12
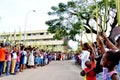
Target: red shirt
x,y
91,75
2,54
93,64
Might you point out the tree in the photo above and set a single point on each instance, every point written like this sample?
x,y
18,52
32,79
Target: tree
x,y
76,16
117,2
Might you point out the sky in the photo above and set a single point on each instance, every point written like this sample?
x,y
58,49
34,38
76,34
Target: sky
x,y
15,14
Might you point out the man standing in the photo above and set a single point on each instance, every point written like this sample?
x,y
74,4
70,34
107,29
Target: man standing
x,y
2,57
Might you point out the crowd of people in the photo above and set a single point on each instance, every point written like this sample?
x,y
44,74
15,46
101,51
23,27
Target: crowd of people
x,y
14,59
100,60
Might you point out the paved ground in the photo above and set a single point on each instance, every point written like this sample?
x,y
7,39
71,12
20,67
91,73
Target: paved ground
x,y
56,70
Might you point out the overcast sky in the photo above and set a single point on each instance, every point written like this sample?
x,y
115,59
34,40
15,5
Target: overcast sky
x,y
13,14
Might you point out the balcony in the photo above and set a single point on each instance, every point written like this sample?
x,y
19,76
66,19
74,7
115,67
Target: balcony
x,y
34,37
55,42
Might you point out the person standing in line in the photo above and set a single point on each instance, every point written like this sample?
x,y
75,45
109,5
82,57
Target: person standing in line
x,y
7,47
2,57
31,58
14,57
23,53
41,59
25,58
8,59
38,56
18,59
55,56
35,58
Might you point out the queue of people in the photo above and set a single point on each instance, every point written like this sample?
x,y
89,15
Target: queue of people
x,y
14,59
100,60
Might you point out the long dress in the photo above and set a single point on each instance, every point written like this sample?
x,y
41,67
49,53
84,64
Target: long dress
x,y
31,59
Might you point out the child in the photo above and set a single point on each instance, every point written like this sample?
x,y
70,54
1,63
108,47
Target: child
x,y
23,54
17,62
109,61
89,71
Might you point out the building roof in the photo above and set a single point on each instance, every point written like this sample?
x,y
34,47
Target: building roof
x,y
22,32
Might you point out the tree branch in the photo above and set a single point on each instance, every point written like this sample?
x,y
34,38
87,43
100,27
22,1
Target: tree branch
x,y
90,28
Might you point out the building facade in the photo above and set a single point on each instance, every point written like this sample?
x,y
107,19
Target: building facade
x,y
40,38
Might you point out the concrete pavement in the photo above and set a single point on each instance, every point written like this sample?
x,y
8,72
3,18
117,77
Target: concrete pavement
x,y
56,70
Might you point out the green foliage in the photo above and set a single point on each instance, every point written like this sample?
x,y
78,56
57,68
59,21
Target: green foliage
x,y
77,26
59,34
54,8
65,44
73,16
7,37
71,4
111,3
117,2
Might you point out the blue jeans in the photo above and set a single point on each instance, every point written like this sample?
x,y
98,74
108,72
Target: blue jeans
x,y
41,62
17,67
8,64
1,67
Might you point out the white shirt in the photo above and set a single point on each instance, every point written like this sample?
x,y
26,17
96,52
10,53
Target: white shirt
x,y
14,55
24,52
84,57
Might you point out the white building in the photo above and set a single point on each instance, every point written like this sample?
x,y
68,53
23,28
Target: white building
x,y
35,38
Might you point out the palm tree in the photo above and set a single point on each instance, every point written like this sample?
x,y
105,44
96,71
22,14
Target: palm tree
x,y
117,2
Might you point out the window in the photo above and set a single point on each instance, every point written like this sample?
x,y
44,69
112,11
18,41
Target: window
x,y
28,34
34,34
41,33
